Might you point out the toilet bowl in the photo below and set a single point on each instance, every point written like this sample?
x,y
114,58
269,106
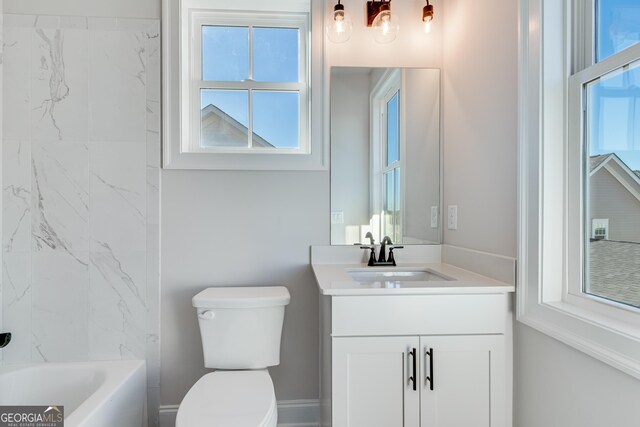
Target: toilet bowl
x,y
230,399
241,328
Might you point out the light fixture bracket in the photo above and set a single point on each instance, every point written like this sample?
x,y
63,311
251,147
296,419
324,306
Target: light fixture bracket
x,y
374,8
427,12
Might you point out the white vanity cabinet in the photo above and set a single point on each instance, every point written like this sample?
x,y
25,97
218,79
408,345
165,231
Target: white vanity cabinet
x,y
415,360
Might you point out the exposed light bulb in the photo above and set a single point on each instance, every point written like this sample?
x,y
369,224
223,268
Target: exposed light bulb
x,y
385,26
427,26
339,27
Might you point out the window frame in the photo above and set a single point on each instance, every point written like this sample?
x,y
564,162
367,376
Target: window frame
x,y
191,137
577,156
388,85
549,189
174,71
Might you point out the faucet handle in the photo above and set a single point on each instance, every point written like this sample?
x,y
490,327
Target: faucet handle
x,y
372,254
391,259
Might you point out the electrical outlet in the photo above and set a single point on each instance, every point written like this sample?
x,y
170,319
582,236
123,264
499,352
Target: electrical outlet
x,y
434,217
452,217
337,217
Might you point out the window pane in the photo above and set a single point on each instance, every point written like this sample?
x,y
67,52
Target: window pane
x,y
275,55
397,237
276,119
617,26
393,130
613,187
389,204
224,118
225,53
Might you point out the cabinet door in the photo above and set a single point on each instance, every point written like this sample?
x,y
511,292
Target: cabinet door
x,y
371,382
463,381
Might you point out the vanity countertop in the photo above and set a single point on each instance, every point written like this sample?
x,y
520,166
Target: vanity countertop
x,y
333,279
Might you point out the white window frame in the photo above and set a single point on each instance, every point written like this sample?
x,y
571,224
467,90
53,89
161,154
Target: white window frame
x,y
181,77
191,88
551,234
388,84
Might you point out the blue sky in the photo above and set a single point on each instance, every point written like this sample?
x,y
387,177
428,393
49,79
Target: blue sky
x,y
614,122
275,59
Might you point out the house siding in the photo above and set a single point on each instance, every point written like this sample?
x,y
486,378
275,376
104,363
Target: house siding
x,y
609,199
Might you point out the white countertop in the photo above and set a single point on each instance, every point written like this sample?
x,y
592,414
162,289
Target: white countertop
x,y
333,279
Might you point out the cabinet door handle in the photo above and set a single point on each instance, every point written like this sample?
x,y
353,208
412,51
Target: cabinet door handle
x,y
429,378
413,378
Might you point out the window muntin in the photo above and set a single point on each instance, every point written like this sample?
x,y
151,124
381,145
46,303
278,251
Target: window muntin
x,y
617,26
256,65
612,186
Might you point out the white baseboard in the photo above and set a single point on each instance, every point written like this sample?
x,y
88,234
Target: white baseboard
x,y
291,413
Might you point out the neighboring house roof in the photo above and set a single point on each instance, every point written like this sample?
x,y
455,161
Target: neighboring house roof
x,y
614,270
618,169
215,121
598,160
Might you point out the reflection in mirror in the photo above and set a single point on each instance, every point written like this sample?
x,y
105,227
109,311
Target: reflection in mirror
x,y
385,155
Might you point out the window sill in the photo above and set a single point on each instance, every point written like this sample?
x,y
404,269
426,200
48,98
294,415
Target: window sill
x,y
611,341
243,161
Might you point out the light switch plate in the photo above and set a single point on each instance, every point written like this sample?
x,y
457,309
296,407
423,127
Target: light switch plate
x,y
452,217
434,217
337,217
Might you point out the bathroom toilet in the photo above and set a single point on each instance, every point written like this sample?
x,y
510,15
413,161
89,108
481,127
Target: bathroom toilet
x,y
240,329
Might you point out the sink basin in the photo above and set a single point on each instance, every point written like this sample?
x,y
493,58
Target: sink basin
x,y
400,275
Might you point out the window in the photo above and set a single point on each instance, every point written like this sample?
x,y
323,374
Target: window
x,y
237,80
606,138
391,170
579,212
248,85
386,141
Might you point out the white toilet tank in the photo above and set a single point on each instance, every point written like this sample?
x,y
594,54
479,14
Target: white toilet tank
x,y
241,326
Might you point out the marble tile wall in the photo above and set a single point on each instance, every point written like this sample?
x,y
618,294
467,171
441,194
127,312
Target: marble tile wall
x,y
80,180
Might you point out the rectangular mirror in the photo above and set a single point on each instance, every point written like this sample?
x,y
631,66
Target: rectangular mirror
x,y
385,155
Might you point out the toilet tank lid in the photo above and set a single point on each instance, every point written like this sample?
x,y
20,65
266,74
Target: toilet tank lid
x,y
242,297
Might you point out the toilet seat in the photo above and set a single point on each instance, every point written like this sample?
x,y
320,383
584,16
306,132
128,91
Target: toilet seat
x,y
230,399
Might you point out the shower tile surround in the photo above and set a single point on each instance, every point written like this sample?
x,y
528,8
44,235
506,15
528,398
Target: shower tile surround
x,y
80,179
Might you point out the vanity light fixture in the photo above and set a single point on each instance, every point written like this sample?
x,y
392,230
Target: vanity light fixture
x,y
427,17
379,17
384,24
339,28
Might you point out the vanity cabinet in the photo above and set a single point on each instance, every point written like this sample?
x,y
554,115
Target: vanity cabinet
x,y
416,360
457,379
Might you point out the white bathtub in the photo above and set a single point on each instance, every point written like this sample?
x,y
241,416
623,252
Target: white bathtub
x,y
94,394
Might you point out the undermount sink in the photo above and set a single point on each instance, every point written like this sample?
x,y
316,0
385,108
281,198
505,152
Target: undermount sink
x,y
373,274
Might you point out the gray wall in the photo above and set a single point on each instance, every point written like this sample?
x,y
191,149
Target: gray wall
x,y
422,157
350,154
480,123
241,228
558,386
